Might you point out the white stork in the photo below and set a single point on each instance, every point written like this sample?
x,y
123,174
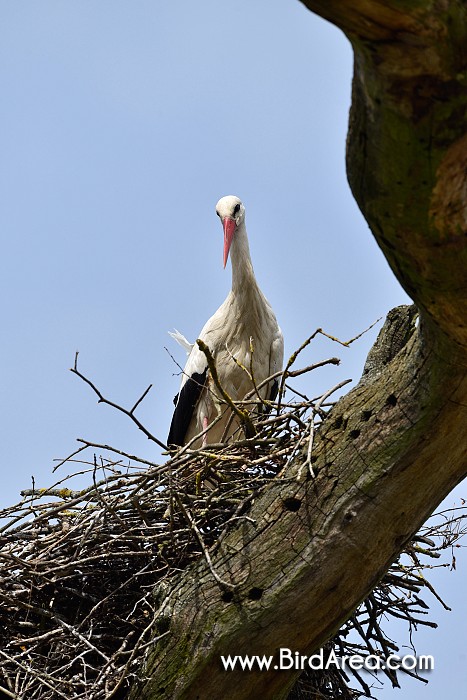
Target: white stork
x,y
244,320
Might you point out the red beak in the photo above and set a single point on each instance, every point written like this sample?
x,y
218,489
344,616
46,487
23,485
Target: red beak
x,y
229,230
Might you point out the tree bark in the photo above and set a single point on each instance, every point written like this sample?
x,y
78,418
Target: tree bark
x,y
394,447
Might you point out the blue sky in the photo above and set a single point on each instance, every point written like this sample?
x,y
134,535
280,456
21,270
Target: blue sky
x,y
122,123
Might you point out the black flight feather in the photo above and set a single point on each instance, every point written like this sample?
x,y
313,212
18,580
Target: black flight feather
x,y
274,390
185,405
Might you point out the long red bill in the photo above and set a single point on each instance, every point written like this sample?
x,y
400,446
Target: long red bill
x,y
229,230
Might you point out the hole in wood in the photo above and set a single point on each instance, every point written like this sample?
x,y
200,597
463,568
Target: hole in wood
x,y
292,504
255,593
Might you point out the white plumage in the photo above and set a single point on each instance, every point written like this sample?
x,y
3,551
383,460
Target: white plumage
x,y
181,340
244,320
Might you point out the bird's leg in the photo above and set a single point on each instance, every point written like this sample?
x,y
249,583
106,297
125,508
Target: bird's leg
x,y
205,428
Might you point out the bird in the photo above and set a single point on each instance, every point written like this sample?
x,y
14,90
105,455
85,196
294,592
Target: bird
x,y
243,338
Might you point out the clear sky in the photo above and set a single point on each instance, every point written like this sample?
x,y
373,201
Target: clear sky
x,y
122,123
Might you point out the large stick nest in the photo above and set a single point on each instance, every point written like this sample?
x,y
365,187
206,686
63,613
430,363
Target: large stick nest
x,y
78,569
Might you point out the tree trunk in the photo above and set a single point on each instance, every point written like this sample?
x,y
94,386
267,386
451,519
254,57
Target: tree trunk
x,y
394,447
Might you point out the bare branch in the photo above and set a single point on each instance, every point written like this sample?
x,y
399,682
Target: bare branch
x,y
130,414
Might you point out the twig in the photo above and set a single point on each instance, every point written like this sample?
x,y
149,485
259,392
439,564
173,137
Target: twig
x,y
220,581
130,414
141,398
243,416
316,409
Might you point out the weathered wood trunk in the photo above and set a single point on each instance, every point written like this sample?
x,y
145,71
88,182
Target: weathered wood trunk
x,y
395,446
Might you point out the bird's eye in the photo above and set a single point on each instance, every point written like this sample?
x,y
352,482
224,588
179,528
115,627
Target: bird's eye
x,y
217,213
236,209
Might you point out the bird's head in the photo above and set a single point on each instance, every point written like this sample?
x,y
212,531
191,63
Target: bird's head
x,y
231,212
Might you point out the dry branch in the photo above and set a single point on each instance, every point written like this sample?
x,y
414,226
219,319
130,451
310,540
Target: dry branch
x,y
85,573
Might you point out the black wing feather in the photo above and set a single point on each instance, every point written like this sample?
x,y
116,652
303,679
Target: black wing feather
x,y
186,402
274,390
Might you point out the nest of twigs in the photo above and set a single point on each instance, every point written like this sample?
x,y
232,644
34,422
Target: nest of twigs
x,y
79,568
78,573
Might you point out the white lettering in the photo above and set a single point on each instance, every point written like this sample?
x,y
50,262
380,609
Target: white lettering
x,y
229,662
247,663
333,660
372,662
409,662
426,662
298,662
356,661
264,662
316,661
393,662
285,655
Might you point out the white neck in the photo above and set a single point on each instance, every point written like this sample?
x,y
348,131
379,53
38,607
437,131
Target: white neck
x,y
242,268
